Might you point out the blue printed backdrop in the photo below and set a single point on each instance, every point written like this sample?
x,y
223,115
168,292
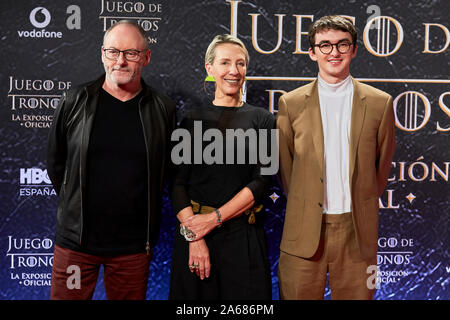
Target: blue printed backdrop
x,y
49,46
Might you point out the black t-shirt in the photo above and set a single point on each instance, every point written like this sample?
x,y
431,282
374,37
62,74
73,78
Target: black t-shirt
x,y
116,203
215,184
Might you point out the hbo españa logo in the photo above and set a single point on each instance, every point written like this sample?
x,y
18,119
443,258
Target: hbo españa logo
x,y
34,176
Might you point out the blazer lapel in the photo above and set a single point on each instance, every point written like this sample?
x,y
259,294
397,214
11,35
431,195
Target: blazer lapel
x,y
313,107
357,120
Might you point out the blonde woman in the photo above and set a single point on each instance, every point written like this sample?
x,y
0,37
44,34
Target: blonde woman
x,y
220,249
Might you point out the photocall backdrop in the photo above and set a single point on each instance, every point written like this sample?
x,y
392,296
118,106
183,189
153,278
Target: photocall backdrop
x,y
50,46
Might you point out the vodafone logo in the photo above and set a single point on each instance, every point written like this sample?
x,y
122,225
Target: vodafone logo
x,y
42,12
40,19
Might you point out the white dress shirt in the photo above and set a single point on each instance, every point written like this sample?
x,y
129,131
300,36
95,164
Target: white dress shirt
x,y
336,109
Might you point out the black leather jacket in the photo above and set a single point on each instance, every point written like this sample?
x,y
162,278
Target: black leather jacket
x,y
67,154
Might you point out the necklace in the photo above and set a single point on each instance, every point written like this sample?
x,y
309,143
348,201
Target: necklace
x,y
239,104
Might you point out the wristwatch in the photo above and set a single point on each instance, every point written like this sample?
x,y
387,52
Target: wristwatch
x,y
219,217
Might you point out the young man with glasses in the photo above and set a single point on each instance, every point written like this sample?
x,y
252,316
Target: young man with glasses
x,y
108,153
336,140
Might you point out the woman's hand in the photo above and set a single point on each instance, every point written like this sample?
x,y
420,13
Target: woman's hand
x,y
199,256
201,224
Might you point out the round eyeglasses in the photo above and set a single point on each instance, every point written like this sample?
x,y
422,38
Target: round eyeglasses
x,y
129,55
326,47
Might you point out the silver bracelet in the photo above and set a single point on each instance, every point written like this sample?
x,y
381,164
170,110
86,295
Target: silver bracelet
x,y
219,217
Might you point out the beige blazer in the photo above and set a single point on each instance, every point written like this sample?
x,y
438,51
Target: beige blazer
x,y
372,145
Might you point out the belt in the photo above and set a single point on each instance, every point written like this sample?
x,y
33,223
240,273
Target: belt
x,y
202,209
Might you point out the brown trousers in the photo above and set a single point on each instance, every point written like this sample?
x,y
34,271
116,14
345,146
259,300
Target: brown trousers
x,y
338,255
125,276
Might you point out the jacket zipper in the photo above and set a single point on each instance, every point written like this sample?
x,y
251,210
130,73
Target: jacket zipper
x,y
147,244
81,165
81,178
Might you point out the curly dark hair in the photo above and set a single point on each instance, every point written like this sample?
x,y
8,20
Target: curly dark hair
x,y
331,22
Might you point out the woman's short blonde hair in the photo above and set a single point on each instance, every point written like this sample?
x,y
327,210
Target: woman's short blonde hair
x,y
221,39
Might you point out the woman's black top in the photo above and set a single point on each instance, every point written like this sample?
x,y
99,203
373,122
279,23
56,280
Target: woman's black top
x,y
215,184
